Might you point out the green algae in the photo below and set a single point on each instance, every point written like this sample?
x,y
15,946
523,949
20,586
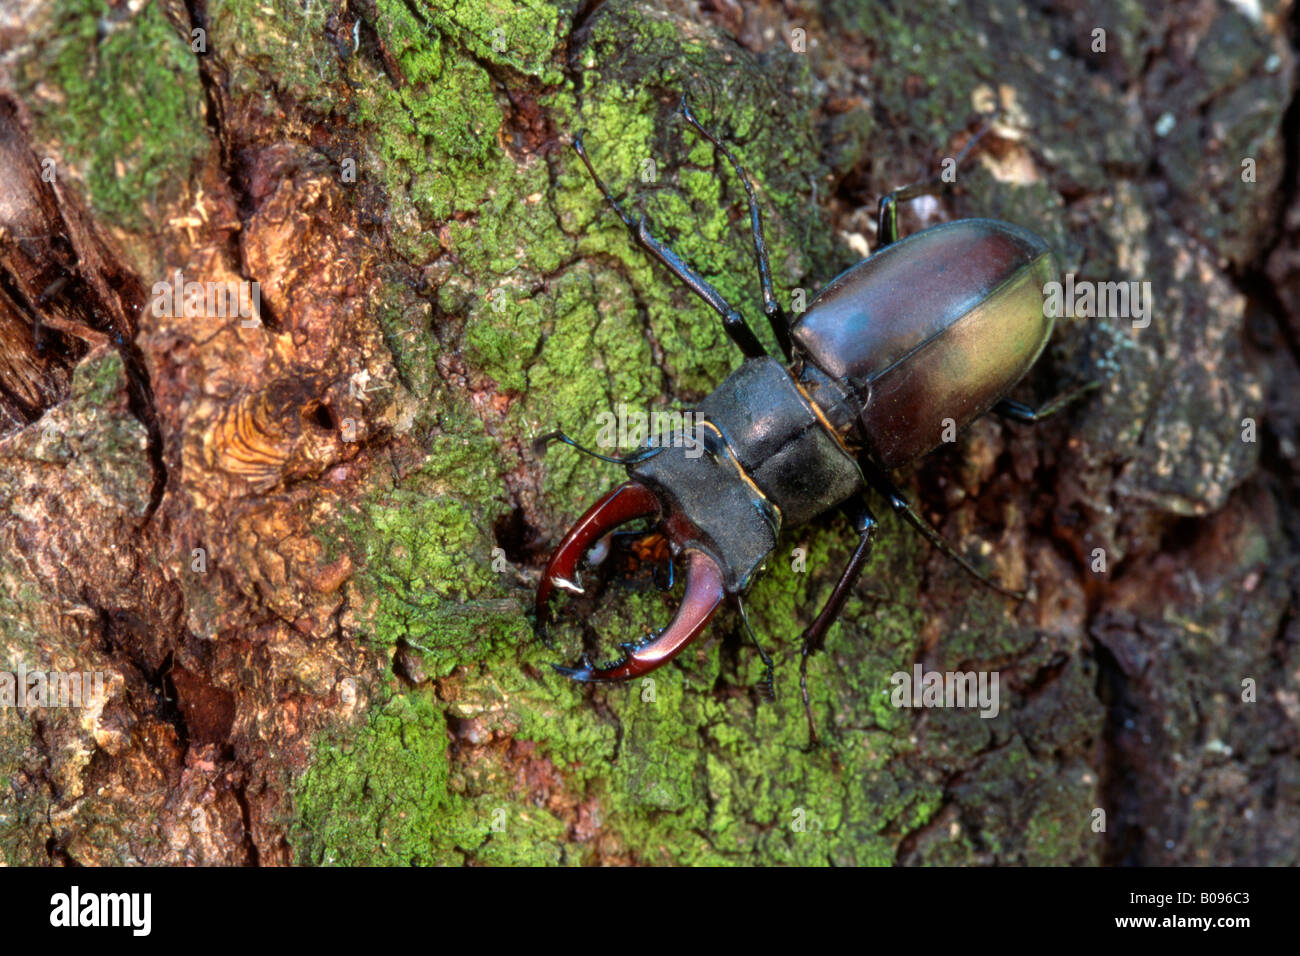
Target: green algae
x,y
381,798
551,304
132,148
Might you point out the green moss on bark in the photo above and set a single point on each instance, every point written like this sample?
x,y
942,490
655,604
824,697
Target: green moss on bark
x,y
558,314
135,148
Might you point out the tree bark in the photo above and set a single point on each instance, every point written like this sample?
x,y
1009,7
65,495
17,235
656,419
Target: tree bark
x,y
301,547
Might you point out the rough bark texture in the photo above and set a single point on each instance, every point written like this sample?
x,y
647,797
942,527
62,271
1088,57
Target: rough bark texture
x,y
278,542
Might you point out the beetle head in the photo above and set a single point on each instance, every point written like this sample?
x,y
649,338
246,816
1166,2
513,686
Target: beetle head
x,y
716,523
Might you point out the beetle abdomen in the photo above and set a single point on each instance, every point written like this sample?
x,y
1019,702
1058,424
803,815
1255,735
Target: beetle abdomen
x,y
931,330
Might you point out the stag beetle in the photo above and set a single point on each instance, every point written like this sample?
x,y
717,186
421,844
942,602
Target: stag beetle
x,y
936,326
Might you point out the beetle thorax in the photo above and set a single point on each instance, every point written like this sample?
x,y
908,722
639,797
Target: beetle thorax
x,y
761,457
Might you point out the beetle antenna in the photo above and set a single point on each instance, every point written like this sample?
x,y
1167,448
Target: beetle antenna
x,y
541,441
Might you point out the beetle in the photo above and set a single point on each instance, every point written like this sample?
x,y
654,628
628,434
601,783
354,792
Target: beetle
x,y
930,330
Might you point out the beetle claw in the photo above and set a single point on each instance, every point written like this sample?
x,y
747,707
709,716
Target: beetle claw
x,y
704,592
627,502
704,588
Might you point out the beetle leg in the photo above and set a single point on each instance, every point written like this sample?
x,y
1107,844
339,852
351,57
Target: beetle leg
x,y
704,592
1018,411
864,522
887,217
776,316
767,684
882,484
672,576
733,322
